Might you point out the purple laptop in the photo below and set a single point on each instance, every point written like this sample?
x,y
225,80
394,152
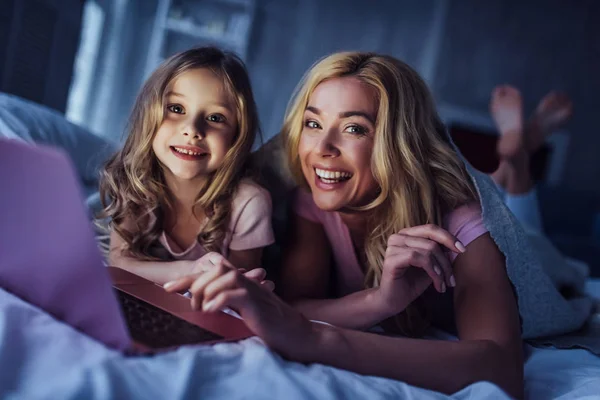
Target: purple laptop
x,y
49,257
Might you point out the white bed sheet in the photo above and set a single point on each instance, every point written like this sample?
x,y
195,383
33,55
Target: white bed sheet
x,y
42,358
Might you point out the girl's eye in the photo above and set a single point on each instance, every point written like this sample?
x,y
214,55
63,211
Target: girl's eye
x,y
356,129
312,124
176,108
216,118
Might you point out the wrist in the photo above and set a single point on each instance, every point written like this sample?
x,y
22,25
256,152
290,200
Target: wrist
x,y
317,344
380,306
183,268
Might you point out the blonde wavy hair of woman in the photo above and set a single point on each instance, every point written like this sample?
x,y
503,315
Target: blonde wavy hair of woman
x,y
420,175
133,188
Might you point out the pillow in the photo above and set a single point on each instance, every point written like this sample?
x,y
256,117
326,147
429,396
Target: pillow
x,y
25,120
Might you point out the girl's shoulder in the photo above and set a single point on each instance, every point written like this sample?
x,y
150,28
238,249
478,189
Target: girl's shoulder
x,y
250,196
248,189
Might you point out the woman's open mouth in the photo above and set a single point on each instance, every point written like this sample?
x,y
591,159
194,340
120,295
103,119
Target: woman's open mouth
x,y
330,179
189,153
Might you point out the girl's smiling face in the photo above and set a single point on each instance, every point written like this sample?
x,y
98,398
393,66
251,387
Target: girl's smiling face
x,y
336,144
199,126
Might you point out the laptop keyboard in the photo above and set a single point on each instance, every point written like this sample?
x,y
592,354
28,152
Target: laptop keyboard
x,y
156,328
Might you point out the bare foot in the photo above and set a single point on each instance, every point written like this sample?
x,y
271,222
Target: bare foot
x,y
552,112
506,107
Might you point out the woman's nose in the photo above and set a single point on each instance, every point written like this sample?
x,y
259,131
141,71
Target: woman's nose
x,y
327,146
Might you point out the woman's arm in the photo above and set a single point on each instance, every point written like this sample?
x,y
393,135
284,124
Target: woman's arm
x,y
489,348
307,266
487,319
159,272
305,280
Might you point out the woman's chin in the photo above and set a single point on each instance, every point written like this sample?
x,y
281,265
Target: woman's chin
x,y
329,201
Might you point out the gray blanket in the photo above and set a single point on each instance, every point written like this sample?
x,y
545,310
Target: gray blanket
x,y
547,317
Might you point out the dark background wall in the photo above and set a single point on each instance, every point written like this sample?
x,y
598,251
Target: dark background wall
x,y
463,48
537,45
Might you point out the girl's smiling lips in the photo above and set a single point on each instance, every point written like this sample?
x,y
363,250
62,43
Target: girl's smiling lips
x,y
189,153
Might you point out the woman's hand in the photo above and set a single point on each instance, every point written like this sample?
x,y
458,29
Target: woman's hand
x,y
281,327
211,260
413,260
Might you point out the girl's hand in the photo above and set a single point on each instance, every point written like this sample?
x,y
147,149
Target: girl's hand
x,y
281,327
211,260
413,260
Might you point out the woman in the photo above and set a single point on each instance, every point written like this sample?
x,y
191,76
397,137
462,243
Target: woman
x,y
384,195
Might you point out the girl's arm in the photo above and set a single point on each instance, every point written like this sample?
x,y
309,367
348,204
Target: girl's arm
x,y
305,281
159,272
246,259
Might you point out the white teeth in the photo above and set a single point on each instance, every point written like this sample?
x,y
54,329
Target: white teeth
x,y
332,176
185,151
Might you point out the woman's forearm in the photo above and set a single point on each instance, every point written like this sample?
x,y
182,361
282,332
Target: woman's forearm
x,y
445,366
359,310
159,272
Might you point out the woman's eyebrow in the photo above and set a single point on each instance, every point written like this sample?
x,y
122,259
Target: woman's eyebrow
x,y
347,114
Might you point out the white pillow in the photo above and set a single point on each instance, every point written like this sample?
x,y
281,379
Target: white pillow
x,y
34,123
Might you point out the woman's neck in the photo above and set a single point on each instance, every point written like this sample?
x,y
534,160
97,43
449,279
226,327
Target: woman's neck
x,y
356,223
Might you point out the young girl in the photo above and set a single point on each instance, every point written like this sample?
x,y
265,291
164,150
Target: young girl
x,y
176,193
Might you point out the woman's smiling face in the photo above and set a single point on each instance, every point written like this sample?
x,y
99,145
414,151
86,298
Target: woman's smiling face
x,y
336,144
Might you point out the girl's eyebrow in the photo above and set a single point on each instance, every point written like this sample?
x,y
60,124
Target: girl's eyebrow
x,y
175,94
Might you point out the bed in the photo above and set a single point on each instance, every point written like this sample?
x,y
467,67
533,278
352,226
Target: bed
x,y
43,358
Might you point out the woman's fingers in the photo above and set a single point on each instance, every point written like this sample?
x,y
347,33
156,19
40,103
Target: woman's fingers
x,y
434,232
229,280
420,259
268,285
256,274
181,283
234,298
198,286
442,265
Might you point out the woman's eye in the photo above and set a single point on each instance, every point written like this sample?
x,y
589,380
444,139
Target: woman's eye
x,y
176,108
216,118
311,124
356,129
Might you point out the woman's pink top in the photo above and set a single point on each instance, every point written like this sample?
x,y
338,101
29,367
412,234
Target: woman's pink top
x,y
465,223
249,226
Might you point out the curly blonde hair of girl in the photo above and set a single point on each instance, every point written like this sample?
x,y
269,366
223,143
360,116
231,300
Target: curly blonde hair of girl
x,y
420,175
132,186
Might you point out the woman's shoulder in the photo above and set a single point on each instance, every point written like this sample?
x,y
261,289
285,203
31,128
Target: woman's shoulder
x,y
465,222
